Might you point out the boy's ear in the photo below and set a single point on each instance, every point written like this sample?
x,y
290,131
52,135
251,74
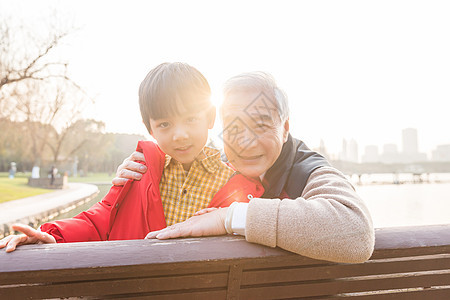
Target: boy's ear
x,y
211,116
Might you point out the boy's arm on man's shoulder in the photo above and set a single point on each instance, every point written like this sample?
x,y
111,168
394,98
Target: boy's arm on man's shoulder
x,y
130,169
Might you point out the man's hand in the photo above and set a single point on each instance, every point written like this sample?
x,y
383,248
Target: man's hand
x,y
209,223
130,169
30,236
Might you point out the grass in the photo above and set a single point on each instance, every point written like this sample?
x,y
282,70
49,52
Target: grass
x,y
17,188
12,189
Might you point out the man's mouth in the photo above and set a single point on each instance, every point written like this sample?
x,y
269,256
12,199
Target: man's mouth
x,y
250,157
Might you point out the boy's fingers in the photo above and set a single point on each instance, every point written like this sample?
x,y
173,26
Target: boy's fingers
x,y
5,241
35,235
16,240
29,231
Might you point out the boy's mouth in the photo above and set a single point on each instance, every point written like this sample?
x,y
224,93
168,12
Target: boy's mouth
x,y
184,148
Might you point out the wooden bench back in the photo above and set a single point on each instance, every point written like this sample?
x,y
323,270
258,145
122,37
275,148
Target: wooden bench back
x,y
408,263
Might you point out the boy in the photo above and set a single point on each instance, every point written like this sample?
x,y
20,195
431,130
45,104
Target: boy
x,y
184,176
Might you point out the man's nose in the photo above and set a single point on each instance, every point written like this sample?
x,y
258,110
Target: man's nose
x,y
246,139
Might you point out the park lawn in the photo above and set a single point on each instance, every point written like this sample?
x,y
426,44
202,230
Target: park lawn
x,y
12,189
17,188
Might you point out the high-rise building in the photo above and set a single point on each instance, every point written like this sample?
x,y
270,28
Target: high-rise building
x,y
409,141
441,153
370,154
349,151
410,152
390,154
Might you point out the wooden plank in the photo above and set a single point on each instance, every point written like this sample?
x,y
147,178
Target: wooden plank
x,y
185,295
116,287
412,237
119,253
105,273
333,287
234,281
414,264
417,294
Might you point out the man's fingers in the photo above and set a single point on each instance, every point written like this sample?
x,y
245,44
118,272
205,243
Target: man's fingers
x,y
119,181
152,234
204,211
175,231
134,166
137,156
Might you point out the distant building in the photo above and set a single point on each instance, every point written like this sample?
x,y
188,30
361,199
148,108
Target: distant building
x,y
409,141
371,154
441,153
410,145
390,154
349,151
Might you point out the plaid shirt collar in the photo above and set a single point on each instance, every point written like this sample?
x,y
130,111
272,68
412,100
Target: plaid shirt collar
x,y
209,159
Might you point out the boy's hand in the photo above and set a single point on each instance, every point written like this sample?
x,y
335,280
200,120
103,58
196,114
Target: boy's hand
x,y
130,169
30,236
210,223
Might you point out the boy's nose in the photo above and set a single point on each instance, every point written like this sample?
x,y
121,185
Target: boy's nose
x,y
180,133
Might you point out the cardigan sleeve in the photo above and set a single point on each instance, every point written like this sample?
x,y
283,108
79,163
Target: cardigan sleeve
x,y
328,222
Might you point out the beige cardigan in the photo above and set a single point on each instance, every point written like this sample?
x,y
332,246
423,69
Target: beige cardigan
x,y
329,221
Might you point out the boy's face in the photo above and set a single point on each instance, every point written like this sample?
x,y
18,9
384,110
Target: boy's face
x,y
183,136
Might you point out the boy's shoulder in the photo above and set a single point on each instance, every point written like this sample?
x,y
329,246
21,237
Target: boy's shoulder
x,y
213,161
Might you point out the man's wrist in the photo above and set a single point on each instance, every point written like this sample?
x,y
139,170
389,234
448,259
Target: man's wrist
x,y
236,218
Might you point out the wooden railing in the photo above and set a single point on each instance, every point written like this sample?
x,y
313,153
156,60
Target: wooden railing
x,y
408,263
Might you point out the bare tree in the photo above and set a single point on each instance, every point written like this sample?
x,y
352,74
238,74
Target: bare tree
x,y
28,53
48,112
35,88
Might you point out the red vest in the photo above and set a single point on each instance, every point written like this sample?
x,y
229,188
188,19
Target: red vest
x,y
133,210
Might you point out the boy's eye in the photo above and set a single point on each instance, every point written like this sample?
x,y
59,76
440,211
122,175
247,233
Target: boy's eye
x,y
164,124
192,119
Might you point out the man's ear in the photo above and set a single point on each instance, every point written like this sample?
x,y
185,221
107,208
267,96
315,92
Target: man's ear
x,y
286,130
211,115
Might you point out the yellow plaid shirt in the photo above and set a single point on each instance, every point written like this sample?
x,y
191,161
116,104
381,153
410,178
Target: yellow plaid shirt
x,y
183,194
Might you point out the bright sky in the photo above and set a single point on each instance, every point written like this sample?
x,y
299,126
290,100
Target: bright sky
x,y
352,69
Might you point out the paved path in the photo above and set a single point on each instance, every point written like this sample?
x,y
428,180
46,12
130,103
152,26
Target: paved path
x,y
40,206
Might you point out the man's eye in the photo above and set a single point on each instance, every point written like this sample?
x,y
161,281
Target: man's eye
x,y
262,126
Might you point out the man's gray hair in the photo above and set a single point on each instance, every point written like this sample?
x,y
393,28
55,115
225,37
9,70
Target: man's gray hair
x,y
259,81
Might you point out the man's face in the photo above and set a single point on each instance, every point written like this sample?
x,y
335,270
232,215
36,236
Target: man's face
x,y
253,132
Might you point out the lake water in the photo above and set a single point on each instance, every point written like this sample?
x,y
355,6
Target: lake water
x,y
408,203
390,204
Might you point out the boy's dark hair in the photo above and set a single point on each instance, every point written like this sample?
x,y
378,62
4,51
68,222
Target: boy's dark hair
x,y
170,89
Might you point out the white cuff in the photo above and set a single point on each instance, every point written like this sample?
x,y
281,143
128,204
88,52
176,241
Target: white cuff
x,y
236,218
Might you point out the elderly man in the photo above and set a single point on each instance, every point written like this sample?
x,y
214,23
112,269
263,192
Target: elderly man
x,y
306,207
